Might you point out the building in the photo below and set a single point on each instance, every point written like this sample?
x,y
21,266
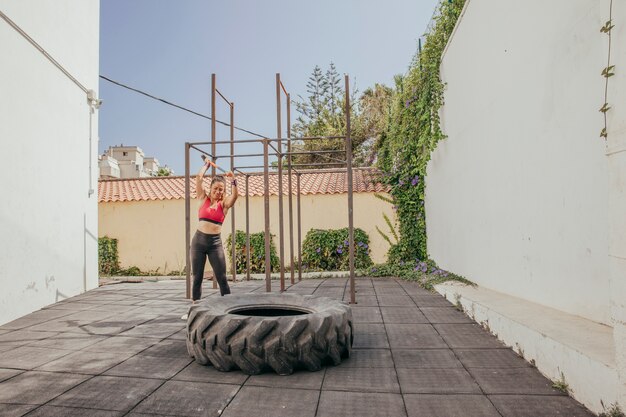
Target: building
x,y
127,162
525,197
49,249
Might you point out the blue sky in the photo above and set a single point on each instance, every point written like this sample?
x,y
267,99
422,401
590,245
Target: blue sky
x,y
170,48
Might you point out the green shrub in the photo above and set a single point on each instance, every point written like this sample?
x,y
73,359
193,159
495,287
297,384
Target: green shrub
x,y
108,260
257,252
426,273
328,250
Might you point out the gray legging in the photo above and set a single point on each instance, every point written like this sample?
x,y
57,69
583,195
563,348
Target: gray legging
x,y
203,245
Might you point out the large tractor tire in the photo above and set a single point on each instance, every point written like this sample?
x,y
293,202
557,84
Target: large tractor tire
x,y
259,332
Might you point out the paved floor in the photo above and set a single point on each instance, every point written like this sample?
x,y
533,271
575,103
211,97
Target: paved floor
x,y
119,350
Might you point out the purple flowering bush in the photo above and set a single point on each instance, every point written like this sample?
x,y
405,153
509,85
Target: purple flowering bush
x,y
328,250
426,273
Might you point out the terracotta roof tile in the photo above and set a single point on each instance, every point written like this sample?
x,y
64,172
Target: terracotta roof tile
x,y
172,188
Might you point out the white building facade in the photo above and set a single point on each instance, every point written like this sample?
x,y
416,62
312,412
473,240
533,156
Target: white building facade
x,y
48,214
524,197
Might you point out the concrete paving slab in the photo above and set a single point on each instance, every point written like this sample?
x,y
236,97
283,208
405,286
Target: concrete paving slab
x,y
34,318
68,341
370,341
200,373
15,410
490,358
369,328
159,331
9,373
401,315
83,362
37,387
358,404
180,335
445,315
433,300
366,315
425,358
297,380
363,300
467,336
55,411
188,399
361,379
538,406
72,306
168,347
27,357
391,291
146,366
24,336
269,402
369,358
414,336
513,381
437,381
108,393
428,405
395,301
123,344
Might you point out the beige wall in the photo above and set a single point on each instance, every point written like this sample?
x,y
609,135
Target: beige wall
x,y
151,234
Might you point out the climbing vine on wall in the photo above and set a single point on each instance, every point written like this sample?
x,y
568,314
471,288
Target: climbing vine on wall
x,y
608,71
413,132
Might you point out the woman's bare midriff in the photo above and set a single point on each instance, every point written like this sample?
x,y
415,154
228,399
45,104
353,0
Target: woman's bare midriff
x,y
209,228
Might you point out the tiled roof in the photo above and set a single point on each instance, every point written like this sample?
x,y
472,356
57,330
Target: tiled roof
x,y
173,188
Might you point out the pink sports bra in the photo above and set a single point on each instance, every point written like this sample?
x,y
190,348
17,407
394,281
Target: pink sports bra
x,y
213,215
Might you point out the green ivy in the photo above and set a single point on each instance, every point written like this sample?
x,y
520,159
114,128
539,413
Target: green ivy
x,y
257,252
328,250
108,259
412,134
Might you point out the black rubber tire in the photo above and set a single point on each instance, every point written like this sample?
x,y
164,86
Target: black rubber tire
x,y
255,344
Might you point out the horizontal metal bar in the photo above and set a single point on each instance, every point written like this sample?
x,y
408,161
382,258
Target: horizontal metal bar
x,y
260,140
303,171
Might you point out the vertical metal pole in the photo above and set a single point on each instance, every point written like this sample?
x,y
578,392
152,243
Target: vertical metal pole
x,y
213,133
187,225
248,227
299,228
281,242
266,182
233,231
349,172
213,146
289,185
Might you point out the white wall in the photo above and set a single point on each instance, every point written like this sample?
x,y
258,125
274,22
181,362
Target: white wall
x,y
48,222
516,197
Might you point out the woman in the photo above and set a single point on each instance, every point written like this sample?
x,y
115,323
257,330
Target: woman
x,y
207,240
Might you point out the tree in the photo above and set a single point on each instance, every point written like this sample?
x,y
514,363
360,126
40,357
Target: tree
x,y
164,172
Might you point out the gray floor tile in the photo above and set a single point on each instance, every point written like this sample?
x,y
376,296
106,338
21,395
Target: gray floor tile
x,y
358,404
361,379
538,406
27,357
414,336
370,341
434,300
454,405
445,315
37,387
37,317
180,398
146,366
513,381
364,300
269,402
200,373
168,347
158,331
425,358
8,373
68,341
123,344
83,362
402,315
395,301
24,336
15,410
369,358
369,328
490,358
437,381
299,380
467,336
366,315
108,393
55,411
